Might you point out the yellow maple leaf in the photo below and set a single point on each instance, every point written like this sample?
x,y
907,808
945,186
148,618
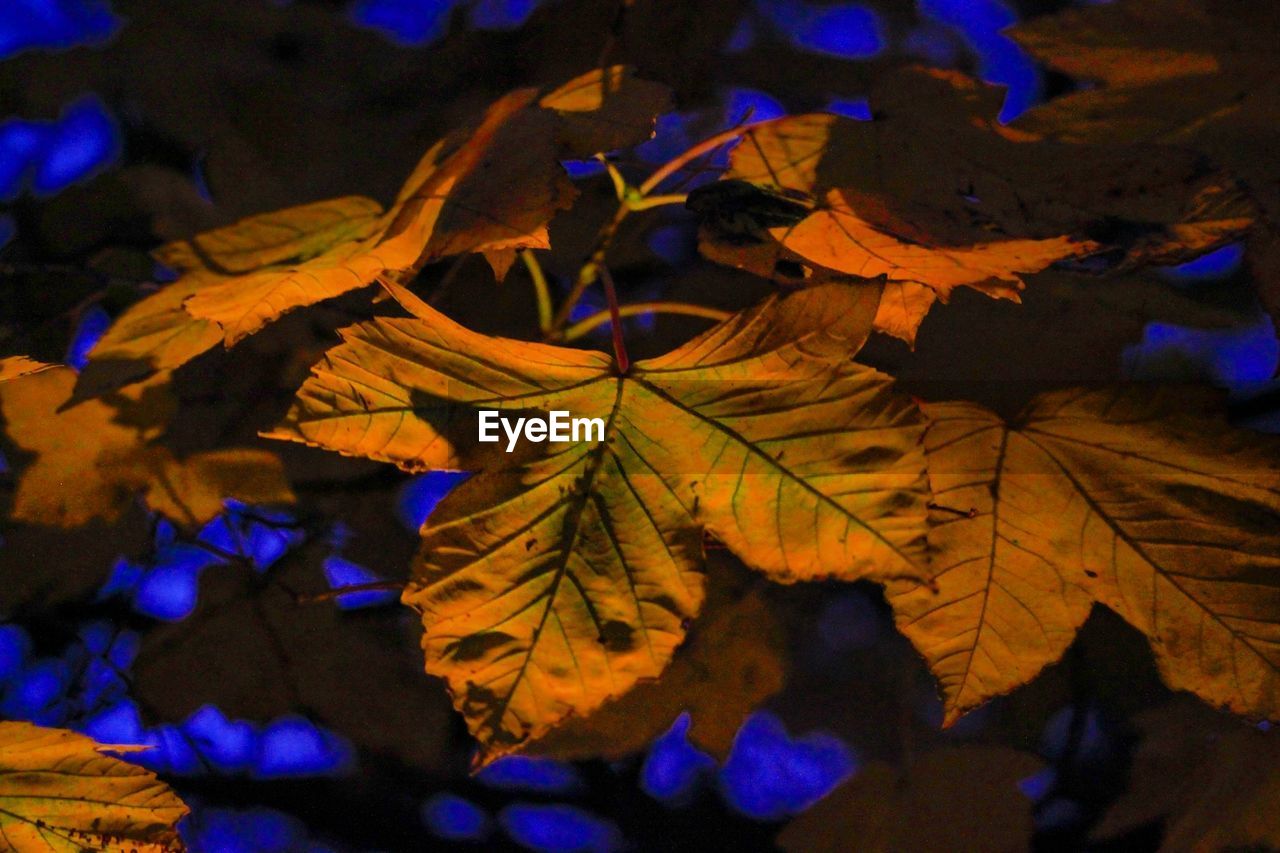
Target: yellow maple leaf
x,y
552,582
60,794
1144,500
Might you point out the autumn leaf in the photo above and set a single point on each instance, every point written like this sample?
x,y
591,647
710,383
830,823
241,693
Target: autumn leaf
x,y
59,792
1182,72
552,582
1142,499
935,193
92,456
493,187
954,799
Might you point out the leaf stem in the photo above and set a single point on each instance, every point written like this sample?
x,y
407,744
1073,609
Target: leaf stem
x,y
646,202
540,289
615,316
584,327
678,162
338,592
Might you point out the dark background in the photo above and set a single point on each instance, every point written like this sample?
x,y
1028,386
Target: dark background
x,y
295,726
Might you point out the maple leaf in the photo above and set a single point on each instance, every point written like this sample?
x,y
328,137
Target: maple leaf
x,y
549,583
962,798
491,188
1145,500
934,193
91,456
1183,72
59,792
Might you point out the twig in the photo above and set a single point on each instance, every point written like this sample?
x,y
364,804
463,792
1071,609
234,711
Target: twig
x,y
329,595
619,344
540,289
583,327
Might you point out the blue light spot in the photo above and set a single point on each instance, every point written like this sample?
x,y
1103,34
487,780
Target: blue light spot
x,y
578,169
293,746
170,590
419,496
37,693
407,22
53,24
1217,264
84,142
501,14
526,773
848,31
673,767
256,830
455,819
855,108
93,325
1233,358
1000,60
119,724
21,146
770,775
749,102
15,646
936,44
559,829
340,573
260,534
671,137
171,752
229,746
1036,786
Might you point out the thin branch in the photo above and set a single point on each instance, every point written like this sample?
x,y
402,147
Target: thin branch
x,y
329,595
657,201
584,327
704,147
540,289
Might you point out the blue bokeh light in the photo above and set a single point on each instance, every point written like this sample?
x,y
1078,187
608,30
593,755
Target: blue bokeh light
x,y
559,829
419,496
340,573
854,108
295,746
7,230
54,24
1236,358
751,104
530,773
455,819
258,534
48,156
846,30
408,22
770,775
1218,264
674,767
1000,59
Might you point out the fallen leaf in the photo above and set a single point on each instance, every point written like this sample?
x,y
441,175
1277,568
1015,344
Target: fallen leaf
x,y
59,792
92,456
1143,499
492,186
955,799
934,192
551,582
